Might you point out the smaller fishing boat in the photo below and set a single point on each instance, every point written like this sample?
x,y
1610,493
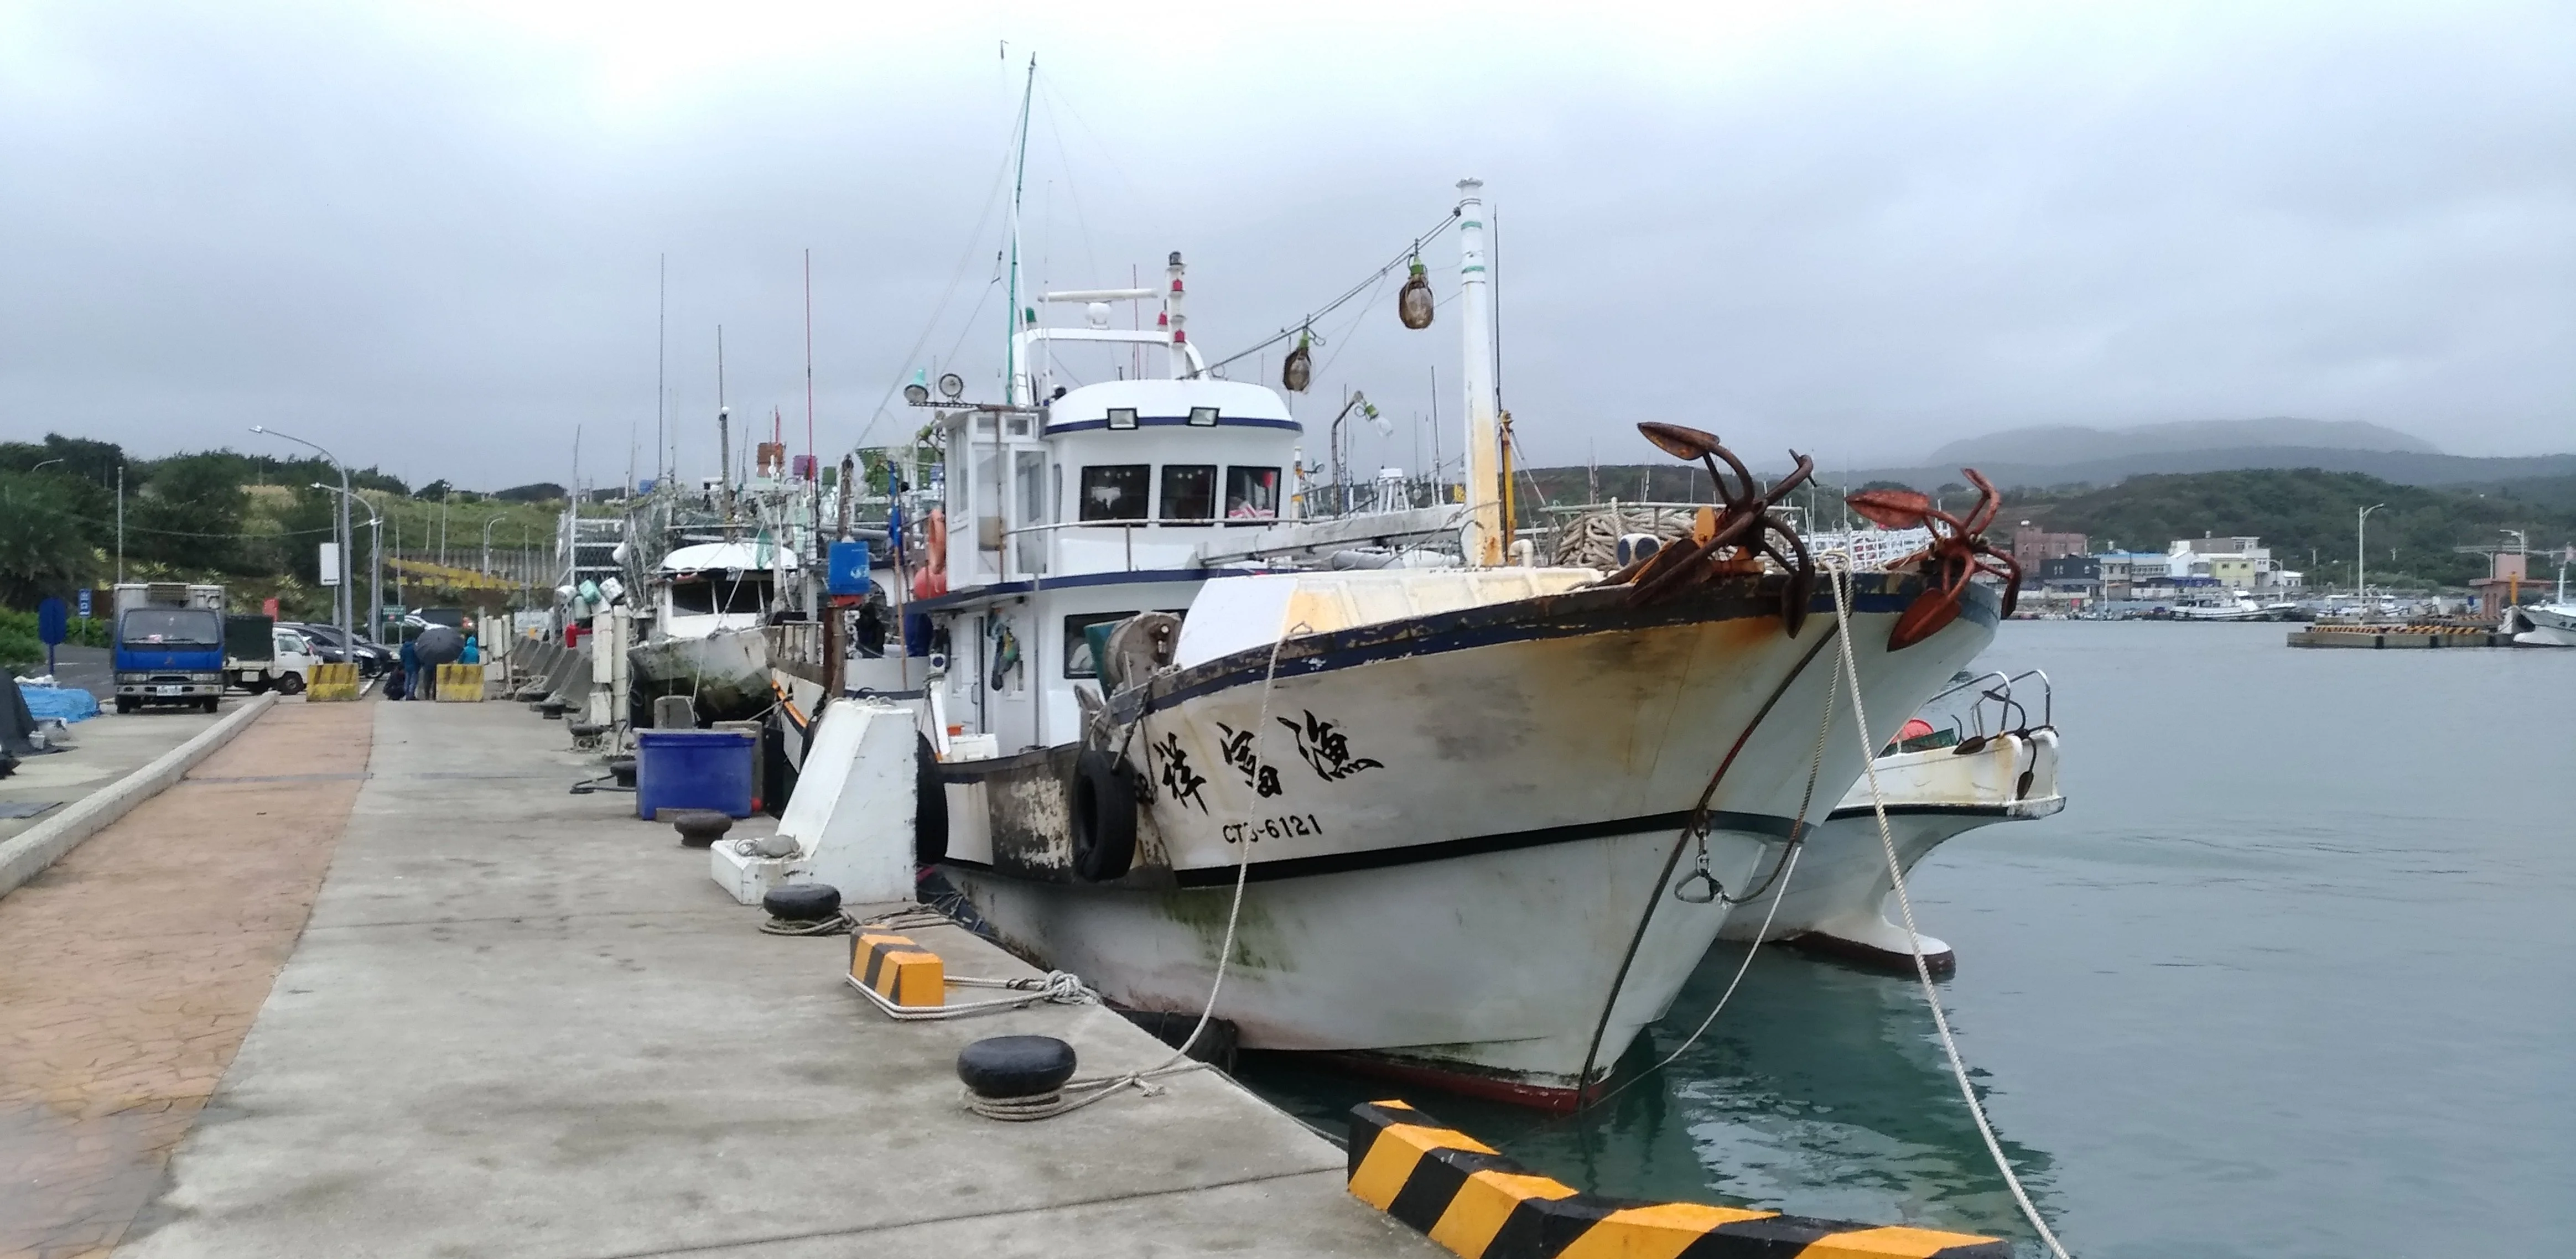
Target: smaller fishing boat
x,y
1938,783
2551,624
708,603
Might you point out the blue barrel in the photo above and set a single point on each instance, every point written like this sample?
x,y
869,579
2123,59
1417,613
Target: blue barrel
x,y
693,769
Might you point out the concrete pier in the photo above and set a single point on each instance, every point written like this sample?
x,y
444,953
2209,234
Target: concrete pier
x,y
523,1023
2390,637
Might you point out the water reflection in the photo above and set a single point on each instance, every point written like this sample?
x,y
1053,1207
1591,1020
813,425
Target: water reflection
x,y
1822,1090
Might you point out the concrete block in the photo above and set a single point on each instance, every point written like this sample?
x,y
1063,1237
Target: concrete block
x,y
460,684
897,969
330,683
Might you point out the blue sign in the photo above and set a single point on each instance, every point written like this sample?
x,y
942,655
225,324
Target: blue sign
x,y
52,626
84,603
848,574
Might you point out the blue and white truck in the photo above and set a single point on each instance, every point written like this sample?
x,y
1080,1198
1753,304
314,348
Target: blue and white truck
x,y
169,645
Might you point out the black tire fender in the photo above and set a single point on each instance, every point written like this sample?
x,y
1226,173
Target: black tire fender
x,y
929,807
1104,816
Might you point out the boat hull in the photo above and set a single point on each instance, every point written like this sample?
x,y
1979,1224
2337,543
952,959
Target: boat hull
x,y
726,672
2546,625
1449,828
1835,900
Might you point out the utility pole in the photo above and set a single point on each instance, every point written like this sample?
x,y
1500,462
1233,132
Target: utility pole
x,y
120,524
2361,552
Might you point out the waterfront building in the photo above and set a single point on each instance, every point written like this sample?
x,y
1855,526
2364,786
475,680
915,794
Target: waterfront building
x,y
2238,563
2031,549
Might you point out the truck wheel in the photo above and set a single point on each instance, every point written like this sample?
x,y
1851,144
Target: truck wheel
x,y
126,704
212,703
290,684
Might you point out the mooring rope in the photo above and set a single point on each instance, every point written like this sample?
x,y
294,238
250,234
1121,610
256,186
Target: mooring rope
x,y
1781,877
1838,576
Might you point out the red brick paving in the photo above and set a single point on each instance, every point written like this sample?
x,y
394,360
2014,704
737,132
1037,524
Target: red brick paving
x,y
131,970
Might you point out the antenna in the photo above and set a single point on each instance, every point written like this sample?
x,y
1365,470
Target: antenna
x,y
661,352
809,364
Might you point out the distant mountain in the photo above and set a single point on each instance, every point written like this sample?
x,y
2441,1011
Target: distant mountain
x,y
2400,467
2065,444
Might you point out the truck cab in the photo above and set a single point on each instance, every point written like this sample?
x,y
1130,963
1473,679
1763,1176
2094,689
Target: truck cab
x,y
169,655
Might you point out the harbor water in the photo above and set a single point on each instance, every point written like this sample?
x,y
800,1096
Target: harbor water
x,y
2288,977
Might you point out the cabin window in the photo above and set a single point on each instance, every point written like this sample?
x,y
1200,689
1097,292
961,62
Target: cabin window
x,y
1078,661
1189,491
1251,493
740,593
1122,417
1202,417
1115,491
1028,471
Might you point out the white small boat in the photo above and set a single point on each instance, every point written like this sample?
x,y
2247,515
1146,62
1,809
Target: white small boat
x,y
2551,624
1936,787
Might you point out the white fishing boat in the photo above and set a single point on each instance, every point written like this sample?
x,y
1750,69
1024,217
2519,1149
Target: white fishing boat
x,y
1935,785
708,602
2551,624
2233,608
1456,800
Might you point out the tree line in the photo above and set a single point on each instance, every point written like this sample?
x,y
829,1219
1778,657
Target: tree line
x,y
215,514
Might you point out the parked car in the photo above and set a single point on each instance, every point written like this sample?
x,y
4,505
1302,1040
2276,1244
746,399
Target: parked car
x,y
288,669
327,644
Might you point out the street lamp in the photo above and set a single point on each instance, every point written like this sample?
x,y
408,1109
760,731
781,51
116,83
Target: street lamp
x,y
344,601
2360,552
375,566
487,544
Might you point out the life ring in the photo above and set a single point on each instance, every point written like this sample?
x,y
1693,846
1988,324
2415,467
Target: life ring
x,y
932,580
1104,816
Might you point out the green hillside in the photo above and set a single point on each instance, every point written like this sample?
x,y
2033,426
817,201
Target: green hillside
x,y
250,522
2304,515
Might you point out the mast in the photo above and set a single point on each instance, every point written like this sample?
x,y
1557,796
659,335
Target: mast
x,y
1481,537
724,437
661,351
809,368
1011,372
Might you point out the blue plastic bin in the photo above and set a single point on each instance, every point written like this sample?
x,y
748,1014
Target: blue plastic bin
x,y
693,769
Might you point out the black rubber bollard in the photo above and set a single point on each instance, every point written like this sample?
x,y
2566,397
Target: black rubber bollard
x,y
802,902
1004,1067
699,828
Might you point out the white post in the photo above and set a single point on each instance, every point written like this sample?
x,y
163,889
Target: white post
x,y
1175,320
1480,538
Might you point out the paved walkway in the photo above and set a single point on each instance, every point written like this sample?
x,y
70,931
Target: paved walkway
x,y
105,748
523,1023
130,970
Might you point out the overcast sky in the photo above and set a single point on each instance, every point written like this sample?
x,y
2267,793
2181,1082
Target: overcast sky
x,y
427,236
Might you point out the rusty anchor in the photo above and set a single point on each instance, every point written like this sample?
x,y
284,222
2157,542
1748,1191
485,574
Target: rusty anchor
x,y
1745,524
1959,551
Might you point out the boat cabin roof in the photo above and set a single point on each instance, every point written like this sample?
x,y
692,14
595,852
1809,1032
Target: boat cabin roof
x,y
702,557
1140,404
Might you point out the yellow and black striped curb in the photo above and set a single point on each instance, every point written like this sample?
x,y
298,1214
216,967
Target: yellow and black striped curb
x,y
895,968
329,682
1464,1195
